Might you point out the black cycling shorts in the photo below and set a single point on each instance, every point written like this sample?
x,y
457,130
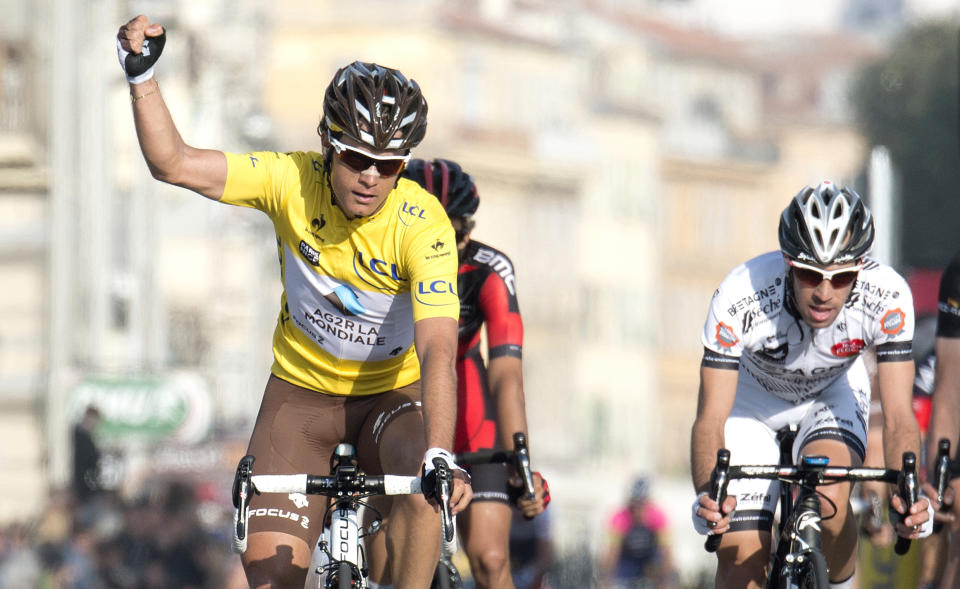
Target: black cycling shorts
x,y
489,482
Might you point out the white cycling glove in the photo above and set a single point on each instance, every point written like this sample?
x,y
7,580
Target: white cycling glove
x,y
701,525
428,482
138,67
438,453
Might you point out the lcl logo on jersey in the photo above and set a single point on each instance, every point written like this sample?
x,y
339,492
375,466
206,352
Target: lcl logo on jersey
x,y
377,266
443,291
408,210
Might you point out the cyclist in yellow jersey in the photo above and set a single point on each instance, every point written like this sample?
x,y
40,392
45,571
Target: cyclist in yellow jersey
x,y
366,339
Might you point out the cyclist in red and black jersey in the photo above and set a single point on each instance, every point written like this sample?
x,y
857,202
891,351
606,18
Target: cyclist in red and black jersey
x,y
490,399
945,414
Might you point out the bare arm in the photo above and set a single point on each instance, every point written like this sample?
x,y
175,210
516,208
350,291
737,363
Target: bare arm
x,y
436,342
505,376
945,414
900,430
169,158
718,388
901,433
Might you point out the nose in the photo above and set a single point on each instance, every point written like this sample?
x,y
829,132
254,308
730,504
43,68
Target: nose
x,y
824,291
369,176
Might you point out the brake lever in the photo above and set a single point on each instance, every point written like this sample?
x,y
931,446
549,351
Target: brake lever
x,y
444,492
242,486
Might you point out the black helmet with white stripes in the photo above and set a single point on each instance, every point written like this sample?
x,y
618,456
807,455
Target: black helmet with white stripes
x,y
826,225
376,106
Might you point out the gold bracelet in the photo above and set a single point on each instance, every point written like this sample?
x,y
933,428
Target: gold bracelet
x,y
142,96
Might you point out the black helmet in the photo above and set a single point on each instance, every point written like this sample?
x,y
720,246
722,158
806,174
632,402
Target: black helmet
x,y
447,181
371,104
826,225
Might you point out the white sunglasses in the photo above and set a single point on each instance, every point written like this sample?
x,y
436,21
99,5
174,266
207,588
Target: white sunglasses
x,y
360,160
813,276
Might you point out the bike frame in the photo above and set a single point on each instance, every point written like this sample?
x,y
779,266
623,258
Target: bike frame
x,y
341,543
799,550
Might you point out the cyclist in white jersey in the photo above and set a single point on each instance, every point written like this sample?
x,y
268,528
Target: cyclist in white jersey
x,y
782,345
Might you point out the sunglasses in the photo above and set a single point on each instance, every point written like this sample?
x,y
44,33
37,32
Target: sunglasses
x,y
358,160
465,229
813,276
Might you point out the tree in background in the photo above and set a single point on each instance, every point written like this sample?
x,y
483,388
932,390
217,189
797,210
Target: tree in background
x,y
909,103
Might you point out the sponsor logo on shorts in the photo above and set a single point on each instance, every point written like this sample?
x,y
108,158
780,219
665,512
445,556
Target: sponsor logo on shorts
x,y
282,514
299,499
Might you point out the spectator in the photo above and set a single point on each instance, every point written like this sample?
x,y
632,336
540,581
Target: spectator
x,y
531,550
86,457
637,554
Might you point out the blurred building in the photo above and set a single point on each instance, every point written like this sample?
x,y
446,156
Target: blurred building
x,y
24,250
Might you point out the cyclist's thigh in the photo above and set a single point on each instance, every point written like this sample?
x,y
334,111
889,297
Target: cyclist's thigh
x,y
391,439
273,559
836,421
486,522
490,483
750,435
295,432
485,528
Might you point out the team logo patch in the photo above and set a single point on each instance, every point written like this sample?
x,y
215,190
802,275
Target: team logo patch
x,y
847,348
893,321
310,254
725,335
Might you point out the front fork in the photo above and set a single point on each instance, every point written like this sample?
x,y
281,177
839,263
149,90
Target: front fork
x,y
802,536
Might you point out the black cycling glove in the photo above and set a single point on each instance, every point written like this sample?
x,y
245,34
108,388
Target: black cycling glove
x,y
139,66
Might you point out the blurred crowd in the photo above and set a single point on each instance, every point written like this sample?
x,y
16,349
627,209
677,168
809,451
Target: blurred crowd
x,y
169,536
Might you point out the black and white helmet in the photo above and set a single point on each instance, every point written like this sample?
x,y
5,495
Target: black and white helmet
x,y
826,225
375,105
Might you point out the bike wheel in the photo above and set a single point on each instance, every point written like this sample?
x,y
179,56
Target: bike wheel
x,y
446,576
344,576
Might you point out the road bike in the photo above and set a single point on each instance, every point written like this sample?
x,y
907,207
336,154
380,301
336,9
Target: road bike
x,y
798,560
343,562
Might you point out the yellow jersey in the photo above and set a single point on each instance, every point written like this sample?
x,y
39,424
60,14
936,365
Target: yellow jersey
x,y
352,288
